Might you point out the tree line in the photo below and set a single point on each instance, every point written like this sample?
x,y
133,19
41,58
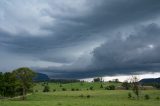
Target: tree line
x,y
16,83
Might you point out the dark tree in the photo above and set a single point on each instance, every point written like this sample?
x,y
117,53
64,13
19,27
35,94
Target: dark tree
x,y
110,87
126,85
116,80
101,86
135,86
24,76
7,85
99,79
1,84
46,88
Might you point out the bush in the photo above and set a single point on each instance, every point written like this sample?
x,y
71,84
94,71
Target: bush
x,y
60,85
64,89
72,89
101,86
91,88
126,85
77,89
110,87
46,88
88,96
156,85
147,97
54,90
59,104
157,98
129,95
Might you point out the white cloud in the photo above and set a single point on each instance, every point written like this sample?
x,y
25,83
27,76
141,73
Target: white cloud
x,y
19,17
126,77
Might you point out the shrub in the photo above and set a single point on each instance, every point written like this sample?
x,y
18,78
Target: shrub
x,y
101,86
54,90
77,89
147,97
60,85
88,96
72,89
46,88
156,85
126,85
59,104
91,88
157,98
64,89
129,95
110,87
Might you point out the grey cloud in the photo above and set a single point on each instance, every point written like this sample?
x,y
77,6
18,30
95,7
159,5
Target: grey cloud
x,y
62,31
104,16
139,52
108,15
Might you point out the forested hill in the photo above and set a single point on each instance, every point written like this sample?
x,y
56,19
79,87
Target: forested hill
x,y
41,77
150,80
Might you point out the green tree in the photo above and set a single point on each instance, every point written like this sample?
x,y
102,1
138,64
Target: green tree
x,y
116,80
110,87
24,77
1,84
46,88
101,86
135,86
98,79
126,85
7,85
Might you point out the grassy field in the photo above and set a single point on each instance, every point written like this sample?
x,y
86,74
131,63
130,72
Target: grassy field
x,y
96,97
78,85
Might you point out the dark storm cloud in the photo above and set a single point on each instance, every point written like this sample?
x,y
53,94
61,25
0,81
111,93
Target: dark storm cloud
x,y
139,52
66,32
109,14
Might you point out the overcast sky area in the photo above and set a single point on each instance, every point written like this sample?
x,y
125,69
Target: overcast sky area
x,y
81,38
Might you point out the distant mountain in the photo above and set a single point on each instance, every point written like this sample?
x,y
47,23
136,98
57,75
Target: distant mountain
x,y
150,80
64,80
41,77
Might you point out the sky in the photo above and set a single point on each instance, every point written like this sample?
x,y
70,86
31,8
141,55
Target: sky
x,y
124,78
81,38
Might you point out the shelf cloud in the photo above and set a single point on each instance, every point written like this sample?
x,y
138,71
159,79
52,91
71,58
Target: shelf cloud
x,y
80,38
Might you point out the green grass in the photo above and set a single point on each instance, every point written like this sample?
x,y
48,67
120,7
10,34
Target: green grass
x,y
79,85
98,97
72,98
